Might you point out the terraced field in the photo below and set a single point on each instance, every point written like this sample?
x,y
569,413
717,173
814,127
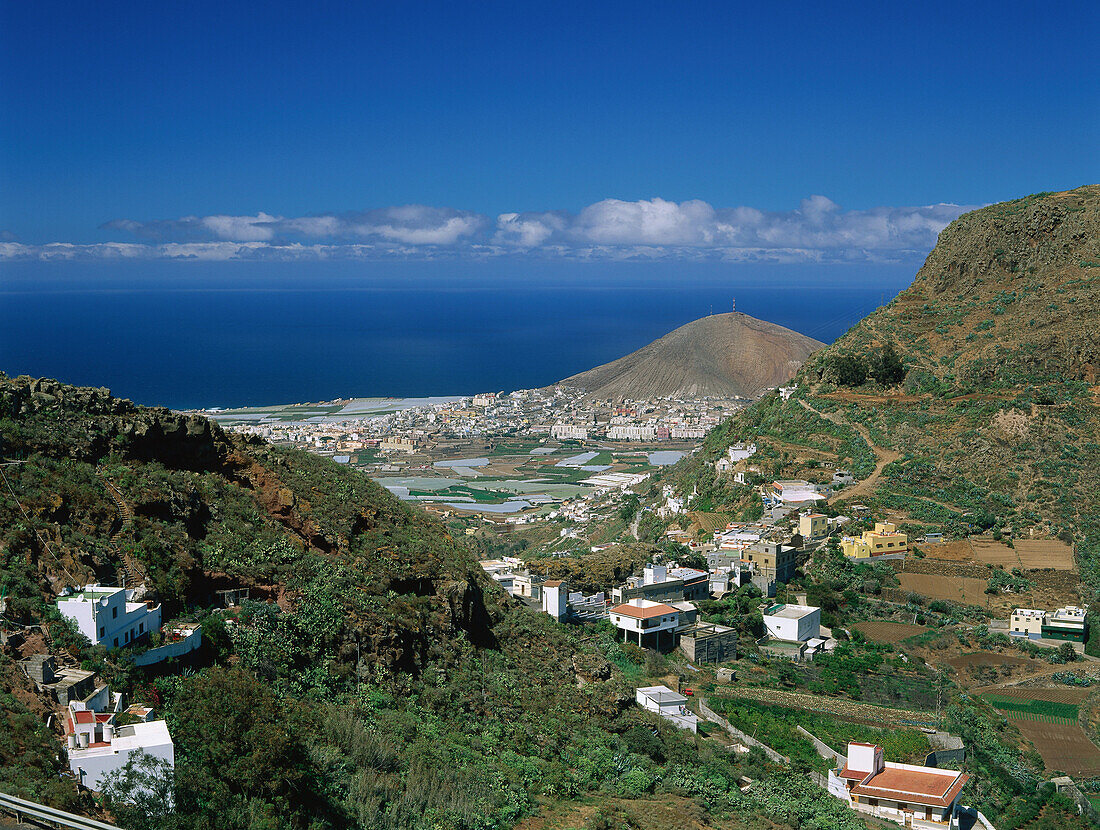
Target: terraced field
x,y
884,631
1063,747
1044,711
837,707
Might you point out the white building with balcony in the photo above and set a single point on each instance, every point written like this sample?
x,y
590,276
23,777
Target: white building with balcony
x,y
646,623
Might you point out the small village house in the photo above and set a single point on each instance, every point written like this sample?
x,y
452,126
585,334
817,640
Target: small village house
x,y
904,793
670,705
884,539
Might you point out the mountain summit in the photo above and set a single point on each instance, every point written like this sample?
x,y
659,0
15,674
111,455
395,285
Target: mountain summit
x,y
721,355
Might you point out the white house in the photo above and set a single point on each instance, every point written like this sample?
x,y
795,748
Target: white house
x,y
904,793
648,623
107,617
1027,622
97,746
794,623
555,599
668,704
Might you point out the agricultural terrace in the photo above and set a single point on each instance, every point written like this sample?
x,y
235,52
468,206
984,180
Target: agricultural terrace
x,y
1063,747
778,726
1024,553
1045,711
883,631
848,710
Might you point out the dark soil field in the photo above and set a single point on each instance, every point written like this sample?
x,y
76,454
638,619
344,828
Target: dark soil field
x,y
986,658
881,631
1064,748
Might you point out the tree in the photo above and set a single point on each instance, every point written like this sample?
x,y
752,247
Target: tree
x,y
1067,652
141,794
629,508
886,366
847,370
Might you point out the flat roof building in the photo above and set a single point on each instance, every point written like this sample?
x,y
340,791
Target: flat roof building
x,y
793,623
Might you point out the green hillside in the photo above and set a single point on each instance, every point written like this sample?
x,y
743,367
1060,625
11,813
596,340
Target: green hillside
x,y
376,678
970,401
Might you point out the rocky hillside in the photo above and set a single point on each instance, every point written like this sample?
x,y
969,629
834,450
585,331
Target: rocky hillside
x,y
723,355
969,402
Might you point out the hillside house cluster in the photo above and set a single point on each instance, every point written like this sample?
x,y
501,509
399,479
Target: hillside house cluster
x,y
113,618
98,744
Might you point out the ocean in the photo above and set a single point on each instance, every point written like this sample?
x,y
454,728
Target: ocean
x,y
190,335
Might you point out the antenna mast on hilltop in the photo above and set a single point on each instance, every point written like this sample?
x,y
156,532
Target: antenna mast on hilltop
x,y
733,304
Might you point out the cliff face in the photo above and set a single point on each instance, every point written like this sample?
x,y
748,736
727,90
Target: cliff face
x,y
723,355
1009,296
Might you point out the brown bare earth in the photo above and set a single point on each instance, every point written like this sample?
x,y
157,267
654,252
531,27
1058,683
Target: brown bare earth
x,y
1027,553
1064,748
962,589
722,355
965,581
883,631
951,551
986,658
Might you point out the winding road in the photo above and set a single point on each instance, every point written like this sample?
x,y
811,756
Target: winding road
x,y
884,456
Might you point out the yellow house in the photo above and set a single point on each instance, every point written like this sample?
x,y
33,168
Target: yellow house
x,y
813,525
885,538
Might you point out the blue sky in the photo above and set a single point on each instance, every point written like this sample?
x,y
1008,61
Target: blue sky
x,y
742,132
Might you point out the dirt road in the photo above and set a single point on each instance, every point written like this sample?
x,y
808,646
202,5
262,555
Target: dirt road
x,y
884,456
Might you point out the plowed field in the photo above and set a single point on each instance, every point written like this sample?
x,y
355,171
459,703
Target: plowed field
x,y
1063,747
882,631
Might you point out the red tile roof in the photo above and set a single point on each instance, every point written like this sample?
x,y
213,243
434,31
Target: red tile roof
x,y
628,610
917,786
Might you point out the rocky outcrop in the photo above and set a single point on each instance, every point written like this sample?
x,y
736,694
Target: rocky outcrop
x,y
86,423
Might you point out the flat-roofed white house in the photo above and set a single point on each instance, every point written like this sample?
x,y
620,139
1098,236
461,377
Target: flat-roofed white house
x,y
108,617
98,747
646,623
1026,622
668,704
905,793
794,623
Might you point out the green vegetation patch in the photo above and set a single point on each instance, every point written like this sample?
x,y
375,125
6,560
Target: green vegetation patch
x,y
1044,710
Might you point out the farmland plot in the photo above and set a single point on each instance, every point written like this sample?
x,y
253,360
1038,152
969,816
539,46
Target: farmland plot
x,y
966,590
1063,747
884,631
837,707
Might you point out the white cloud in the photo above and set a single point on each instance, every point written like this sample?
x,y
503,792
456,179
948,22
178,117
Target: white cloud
x,y
819,230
